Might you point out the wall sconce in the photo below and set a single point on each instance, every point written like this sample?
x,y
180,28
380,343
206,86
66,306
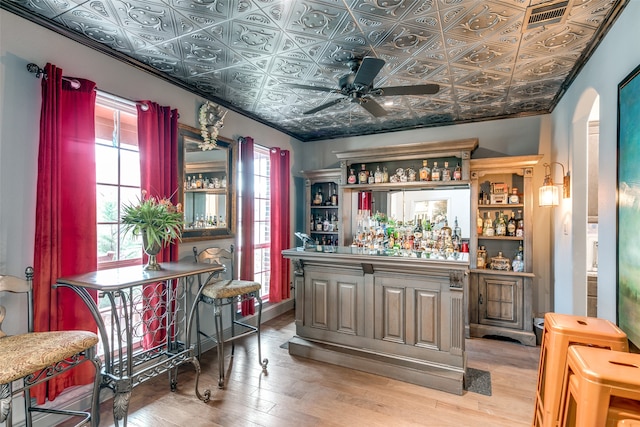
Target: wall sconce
x,y
548,195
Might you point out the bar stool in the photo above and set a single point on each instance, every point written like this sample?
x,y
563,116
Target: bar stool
x,y
219,293
598,380
628,423
560,331
623,410
619,410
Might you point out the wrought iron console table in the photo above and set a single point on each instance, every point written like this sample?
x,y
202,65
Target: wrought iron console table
x,y
148,331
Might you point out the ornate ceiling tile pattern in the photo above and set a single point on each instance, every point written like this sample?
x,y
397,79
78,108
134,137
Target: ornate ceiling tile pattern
x,y
243,53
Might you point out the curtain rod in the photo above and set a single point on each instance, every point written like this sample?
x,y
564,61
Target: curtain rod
x,y
39,72
75,84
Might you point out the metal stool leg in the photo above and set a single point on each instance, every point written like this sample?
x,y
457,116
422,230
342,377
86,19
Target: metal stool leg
x,y
198,333
220,343
263,362
233,306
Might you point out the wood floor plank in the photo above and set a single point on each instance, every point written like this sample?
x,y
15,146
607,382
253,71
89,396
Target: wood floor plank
x,y
302,392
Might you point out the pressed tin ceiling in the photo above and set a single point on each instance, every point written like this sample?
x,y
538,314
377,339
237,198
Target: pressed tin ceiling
x,y
488,61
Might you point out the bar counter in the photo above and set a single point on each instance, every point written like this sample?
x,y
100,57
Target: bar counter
x,y
397,316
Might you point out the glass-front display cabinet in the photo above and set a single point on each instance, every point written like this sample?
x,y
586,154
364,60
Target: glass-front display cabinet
x,y
207,186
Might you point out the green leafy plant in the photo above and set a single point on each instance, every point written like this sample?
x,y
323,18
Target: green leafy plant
x,y
157,220
380,217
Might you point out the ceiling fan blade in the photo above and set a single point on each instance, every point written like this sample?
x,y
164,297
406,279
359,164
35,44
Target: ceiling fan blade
x,y
307,87
407,90
323,106
372,106
368,70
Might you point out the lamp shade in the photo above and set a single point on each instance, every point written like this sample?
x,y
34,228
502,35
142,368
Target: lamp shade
x,y
548,195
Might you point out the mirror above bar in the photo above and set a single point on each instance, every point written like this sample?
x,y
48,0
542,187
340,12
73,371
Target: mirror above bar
x,y
432,205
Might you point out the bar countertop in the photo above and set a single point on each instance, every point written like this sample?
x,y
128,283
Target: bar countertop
x,y
355,255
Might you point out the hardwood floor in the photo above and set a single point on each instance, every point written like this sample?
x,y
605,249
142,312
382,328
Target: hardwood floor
x,y
301,392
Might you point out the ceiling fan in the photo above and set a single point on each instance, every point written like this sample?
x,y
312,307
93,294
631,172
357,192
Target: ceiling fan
x,y
357,86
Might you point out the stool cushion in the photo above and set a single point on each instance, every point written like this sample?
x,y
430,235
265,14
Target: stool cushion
x,y
25,354
229,288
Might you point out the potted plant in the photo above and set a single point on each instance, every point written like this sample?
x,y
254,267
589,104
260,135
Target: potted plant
x,y
158,221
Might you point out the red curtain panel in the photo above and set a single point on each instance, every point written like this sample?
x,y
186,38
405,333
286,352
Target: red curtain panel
x,y
158,145
66,235
280,225
246,224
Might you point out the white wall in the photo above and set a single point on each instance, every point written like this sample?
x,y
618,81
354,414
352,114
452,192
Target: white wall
x,y
617,56
513,137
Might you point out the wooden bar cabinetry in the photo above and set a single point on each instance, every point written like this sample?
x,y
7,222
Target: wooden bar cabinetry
x,y
399,317
323,188
500,299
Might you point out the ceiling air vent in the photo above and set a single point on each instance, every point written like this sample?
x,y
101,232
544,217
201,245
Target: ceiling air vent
x,y
548,13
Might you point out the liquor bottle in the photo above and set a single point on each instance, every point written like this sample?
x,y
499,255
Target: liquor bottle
x,y
519,225
318,198
371,177
334,221
481,261
334,198
378,175
457,231
501,226
488,229
417,229
446,229
363,175
456,241
385,174
446,172
518,260
479,223
425,172
435,172
352,177
514,199
512,225
199,181
457,173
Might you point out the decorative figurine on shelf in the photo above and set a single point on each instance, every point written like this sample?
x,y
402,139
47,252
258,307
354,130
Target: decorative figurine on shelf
x,y
211,119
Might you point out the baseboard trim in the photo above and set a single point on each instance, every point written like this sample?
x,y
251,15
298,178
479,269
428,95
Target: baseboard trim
x,y
419,372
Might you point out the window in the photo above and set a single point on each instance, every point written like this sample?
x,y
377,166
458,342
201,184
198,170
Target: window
x,y
117,178
262,218
117,184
